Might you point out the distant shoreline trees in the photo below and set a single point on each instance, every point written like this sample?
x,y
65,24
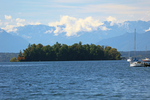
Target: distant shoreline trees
x,y
14,59
63,52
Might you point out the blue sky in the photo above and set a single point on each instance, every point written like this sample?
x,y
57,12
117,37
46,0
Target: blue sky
x,y
77,15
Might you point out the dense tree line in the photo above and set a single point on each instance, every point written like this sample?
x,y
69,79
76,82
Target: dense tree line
x,y
63,52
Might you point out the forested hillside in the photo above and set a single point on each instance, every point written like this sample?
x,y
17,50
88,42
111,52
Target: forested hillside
x,y
138,54
5,57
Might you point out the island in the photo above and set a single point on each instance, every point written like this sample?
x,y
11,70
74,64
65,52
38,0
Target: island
x,y
63,52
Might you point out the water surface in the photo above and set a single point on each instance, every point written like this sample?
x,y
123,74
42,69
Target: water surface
x,y
73,80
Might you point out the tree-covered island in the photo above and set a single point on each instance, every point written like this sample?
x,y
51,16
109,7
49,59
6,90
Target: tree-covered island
x,y
63,52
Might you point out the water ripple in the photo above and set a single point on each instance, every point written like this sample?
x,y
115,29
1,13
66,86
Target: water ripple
x,y
73,80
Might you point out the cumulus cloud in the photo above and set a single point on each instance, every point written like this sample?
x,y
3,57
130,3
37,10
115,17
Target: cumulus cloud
x,y
20,20
112,20
104,28
49,31
58,30
19,24
74,25
9,28
37,23
147,30
10,24
8,17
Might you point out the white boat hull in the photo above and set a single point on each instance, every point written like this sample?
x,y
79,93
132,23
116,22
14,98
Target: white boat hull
x,y
130,59
136,64
146,60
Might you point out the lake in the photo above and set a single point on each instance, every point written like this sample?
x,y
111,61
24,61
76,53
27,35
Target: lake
x,y
73,80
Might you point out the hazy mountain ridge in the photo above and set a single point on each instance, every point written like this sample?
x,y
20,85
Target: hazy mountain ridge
x,y
126,42
10,43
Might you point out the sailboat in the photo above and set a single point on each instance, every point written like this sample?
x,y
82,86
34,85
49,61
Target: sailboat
x,y
130,58
146,59
136,63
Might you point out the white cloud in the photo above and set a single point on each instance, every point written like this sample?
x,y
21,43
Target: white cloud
x,y
11,24
8,17
104,28
74,25
0,23
112,20
49,31
37,23
9,28
19,24
20,20
58,30
147,30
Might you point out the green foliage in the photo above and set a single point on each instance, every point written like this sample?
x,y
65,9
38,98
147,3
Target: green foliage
x,y
20,54
63,52
14,59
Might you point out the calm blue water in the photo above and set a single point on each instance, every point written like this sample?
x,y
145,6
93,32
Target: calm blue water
x,y
73,80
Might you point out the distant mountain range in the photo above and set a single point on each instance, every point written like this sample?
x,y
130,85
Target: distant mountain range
x,y
117,36
125,42
10,43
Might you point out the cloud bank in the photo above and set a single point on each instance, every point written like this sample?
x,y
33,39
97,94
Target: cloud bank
x,y
10,24
8,17
71,26
74,25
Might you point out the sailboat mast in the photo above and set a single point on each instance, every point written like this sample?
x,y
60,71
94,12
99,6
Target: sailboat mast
x,y
129,49
146,50
135,43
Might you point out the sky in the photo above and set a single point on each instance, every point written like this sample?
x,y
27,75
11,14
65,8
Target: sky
x,y
76,15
